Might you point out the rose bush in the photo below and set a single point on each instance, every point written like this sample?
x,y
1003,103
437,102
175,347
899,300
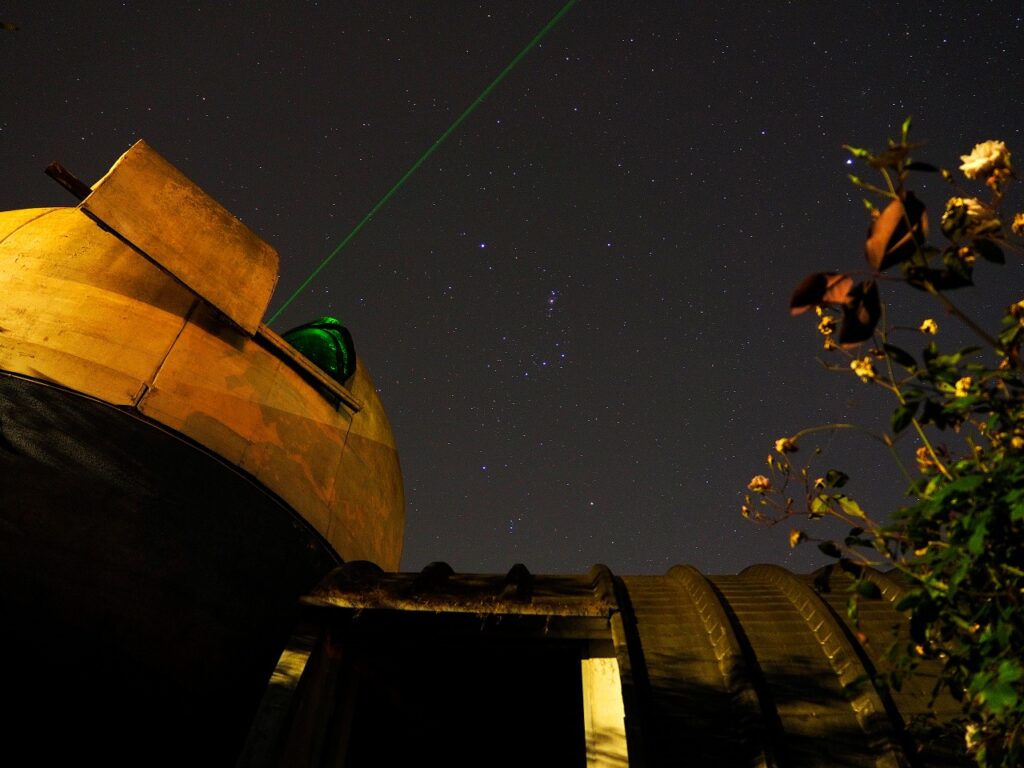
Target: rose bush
x,y
960,542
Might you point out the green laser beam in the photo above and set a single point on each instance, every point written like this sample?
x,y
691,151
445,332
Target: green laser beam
x,y
423,158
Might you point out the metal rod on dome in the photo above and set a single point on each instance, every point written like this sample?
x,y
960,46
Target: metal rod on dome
x,y
68,180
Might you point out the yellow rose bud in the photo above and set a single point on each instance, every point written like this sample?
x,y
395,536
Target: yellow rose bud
x,y
929,327
971,736
864,369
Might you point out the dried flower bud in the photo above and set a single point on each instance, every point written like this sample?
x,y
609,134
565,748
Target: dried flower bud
x,y
925,462
968,217
786,445
759,484
1018,224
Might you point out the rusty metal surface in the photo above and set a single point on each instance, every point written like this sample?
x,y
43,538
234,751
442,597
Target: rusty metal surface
x,y
162,213
438,589
82,309
123,299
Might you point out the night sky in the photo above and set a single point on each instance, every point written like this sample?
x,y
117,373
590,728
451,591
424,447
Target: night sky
x,y
576,310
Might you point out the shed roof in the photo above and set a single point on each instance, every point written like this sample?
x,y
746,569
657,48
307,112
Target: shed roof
x,y
763,668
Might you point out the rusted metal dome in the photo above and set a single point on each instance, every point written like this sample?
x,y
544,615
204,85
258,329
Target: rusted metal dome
x,y
174,474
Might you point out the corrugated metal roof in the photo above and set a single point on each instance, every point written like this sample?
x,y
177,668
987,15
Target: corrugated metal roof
x,y
763,668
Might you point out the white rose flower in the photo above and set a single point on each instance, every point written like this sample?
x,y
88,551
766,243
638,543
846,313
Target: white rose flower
x,y
985,158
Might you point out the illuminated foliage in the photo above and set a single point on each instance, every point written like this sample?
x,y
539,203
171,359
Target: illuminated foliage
x,y
960,541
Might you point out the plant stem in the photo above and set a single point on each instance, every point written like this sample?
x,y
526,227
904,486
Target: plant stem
x,y
884,440
954,310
